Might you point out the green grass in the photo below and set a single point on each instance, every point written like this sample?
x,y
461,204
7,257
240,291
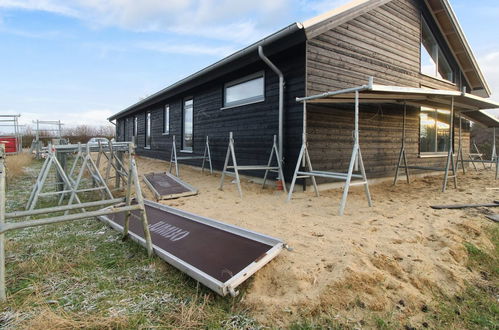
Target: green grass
x,y
477,307
82,274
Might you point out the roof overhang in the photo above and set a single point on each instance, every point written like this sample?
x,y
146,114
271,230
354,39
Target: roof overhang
x,y
469,105
445,18
458,43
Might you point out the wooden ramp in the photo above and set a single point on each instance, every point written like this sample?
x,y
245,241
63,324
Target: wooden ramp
x,y
167,186
219,255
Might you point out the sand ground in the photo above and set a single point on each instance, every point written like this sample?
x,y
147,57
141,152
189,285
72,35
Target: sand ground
x,y
392,257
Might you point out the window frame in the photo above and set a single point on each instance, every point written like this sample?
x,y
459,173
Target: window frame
x,y
440,52
135,125
245,101
147,131
166,119
435,153
183,147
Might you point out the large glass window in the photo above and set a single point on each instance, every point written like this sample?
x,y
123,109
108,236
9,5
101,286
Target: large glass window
x,y
187,125
166,120
148,130
433,61
434,131
246,90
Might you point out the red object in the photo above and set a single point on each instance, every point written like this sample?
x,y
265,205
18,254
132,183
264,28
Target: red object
x,y
10,143
279,185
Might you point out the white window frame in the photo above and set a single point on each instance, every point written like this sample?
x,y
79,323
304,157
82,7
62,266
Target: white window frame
x,y
147,141
246,101
135,125
184,148
166,120
425,154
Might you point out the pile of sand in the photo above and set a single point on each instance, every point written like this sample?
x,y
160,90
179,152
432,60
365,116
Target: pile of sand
x,y
397,254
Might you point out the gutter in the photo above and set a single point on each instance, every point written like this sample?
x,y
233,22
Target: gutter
x,y
281,98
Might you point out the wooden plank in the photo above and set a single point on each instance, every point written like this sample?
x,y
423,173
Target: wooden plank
x,y
494,217
462,206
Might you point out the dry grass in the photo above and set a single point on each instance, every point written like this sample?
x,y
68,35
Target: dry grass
x,y
16,165
61,319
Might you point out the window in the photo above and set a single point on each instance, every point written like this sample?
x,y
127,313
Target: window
x,y
249,89
187,125
148,130
135,126
434,130
166,120
433,61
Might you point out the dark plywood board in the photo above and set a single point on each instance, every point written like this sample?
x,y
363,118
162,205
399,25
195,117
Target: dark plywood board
x,y
216,252
166,186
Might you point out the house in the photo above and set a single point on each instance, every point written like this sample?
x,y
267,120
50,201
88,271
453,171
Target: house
x,y
415,44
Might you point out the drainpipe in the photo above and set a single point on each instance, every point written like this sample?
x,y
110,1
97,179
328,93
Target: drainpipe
x,y
281,99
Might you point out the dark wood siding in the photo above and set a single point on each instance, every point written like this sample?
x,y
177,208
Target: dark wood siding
x,y
383,43
330,138
253,125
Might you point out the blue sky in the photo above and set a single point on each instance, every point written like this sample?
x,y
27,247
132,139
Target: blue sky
x,y
82,60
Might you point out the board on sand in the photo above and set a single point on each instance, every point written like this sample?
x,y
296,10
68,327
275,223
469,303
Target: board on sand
x,y
218,255
464,206
494,217
168,186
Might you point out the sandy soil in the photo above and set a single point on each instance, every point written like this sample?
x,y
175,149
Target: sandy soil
x,y
392,257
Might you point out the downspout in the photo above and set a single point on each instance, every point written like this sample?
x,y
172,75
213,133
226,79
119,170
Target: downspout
x,y
281,99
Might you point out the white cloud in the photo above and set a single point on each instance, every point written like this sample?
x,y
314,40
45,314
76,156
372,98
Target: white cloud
x,y
216,19
39,5
186,49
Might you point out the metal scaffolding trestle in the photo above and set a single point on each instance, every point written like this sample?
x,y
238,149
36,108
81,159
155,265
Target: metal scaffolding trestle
x,y
206,157
36,144
477,156
450,166
231,154
356,162
81,209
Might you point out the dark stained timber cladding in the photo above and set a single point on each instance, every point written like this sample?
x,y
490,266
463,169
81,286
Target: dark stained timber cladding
x,y
254,125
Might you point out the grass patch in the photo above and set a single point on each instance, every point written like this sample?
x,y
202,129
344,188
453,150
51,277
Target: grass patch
x,y
477,307
83,275
16,165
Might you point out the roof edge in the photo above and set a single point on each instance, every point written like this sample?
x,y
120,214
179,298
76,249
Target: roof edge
x,y
466,44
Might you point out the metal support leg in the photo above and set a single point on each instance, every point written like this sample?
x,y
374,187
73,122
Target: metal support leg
x,y
346,187
140,201
297,169
269,163
3,295
402,154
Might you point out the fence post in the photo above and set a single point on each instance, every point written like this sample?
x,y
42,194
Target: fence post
x,y
3,296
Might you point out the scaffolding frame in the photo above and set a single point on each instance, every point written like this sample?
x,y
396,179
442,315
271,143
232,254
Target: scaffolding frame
x,y
231,154
36,145
356,160
112,206
450,165
12,121
206,157
494,157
